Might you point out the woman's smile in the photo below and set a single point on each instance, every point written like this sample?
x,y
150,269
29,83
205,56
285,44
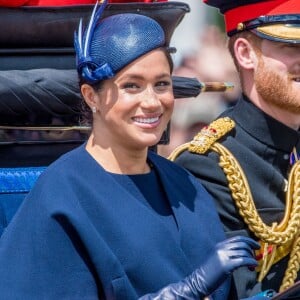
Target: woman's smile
x,y
149,121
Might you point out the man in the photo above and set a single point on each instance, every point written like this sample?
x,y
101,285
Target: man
x,y
248,159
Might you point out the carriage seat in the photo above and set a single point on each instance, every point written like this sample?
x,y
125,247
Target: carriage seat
x,y
14,185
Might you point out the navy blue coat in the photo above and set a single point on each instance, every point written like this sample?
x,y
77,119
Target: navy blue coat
x,y
80,235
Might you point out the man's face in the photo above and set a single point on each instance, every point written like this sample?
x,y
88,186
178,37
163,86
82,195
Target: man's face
x,y
277,76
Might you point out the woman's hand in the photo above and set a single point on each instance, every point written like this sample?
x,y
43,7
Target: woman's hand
x,y
227,256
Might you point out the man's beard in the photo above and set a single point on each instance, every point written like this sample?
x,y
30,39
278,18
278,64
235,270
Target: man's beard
x,y
277,89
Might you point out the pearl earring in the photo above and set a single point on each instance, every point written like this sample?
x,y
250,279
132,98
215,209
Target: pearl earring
x,y
94,109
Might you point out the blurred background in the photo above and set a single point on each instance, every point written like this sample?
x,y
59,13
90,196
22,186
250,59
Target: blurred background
x,y
201,53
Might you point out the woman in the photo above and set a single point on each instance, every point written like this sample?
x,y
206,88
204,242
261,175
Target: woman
x,y
111,219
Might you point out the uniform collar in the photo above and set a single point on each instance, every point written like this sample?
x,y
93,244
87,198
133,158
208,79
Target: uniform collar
x,y
265,128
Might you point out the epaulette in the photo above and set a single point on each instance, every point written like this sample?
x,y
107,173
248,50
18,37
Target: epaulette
x,y
204,139
209,134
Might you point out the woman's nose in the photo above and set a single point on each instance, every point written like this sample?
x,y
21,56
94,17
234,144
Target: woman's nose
x,y
150,98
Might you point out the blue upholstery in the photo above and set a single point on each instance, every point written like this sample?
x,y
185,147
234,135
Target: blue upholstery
x,y
15,183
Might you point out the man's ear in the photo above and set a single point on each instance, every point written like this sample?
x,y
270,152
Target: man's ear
x,y
89,95
245,54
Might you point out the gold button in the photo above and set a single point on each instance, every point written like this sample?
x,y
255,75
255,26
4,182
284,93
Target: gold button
x,y
240,26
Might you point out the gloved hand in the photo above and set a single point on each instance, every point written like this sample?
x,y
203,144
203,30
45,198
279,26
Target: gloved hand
x,y
227,256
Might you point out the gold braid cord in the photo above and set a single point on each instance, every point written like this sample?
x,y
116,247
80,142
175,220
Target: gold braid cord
x,y
279,235
293,266
241,193
280,238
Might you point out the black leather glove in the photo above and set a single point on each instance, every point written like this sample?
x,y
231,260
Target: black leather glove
x,y
222,261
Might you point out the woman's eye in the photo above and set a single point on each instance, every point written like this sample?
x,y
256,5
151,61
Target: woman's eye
x,y
163,85
130,86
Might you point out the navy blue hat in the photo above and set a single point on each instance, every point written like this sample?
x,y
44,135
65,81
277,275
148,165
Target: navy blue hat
x,y
110,44
277,20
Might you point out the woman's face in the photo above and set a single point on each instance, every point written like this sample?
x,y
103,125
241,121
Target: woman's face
x,y
135,106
